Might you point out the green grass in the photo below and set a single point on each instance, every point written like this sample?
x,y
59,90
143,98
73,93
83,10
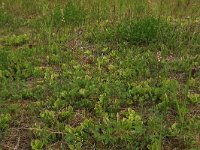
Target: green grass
x,y
95,74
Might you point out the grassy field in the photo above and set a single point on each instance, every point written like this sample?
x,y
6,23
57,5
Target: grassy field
x,y
99,74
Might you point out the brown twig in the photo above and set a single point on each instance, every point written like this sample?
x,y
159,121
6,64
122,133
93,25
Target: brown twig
x,y
49,131
17,145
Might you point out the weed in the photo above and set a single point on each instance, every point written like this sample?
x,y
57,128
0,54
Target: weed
x,y
5,17
70,14
145,31
16,40
4,123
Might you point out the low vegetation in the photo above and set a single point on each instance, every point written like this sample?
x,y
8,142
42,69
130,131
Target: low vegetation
x,y
95,74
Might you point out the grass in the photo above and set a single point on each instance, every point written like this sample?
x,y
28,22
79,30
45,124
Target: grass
x,y
95,74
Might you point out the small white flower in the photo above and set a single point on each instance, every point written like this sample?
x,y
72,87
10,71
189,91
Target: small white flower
x,y
159,57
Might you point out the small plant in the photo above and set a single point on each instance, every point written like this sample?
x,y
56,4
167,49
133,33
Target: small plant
x,y
102,32
145,31
174,130
15,40
48,117
15,65
71,14
4,123
5,17
37,145
123,131
194,98
66,114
